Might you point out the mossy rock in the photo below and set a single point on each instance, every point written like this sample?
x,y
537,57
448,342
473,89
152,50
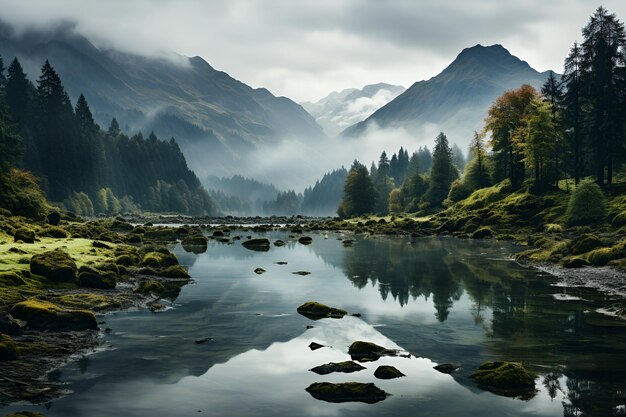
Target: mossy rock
x,y
100,245
195,243
619,220
505,377
56,265
387,372
305,240
134,239
161,234
174,271
4,212
368,351
483,233
575,262
125,260
25,414
584,244
259,245
11,279
346,392
279,243
218,233
601,257
150,287
105,280
24,235
315,311
345,367
54,232
8,349
43,315
54,218
121,226
159,260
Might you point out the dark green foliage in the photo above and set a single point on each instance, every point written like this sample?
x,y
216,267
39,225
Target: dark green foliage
x,y
383,184
587,205
324,197
286,203
358,193
442,173
21,195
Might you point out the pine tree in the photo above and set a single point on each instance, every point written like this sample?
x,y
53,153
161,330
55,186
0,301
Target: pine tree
x,y
359,195
3,78
552,91
572,109
383,184
477,172
19,91
442,173
604,54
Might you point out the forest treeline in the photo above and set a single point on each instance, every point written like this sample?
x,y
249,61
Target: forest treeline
x,y
83,167
572,129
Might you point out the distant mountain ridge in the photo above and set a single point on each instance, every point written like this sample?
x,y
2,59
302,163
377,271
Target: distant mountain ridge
x,y
203,108
341,109
457,99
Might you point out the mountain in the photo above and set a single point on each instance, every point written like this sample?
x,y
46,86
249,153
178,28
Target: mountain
x,y
339,110
208,111
455,101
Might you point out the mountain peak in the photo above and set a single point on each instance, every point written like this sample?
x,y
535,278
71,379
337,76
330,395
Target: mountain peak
x,y
486,59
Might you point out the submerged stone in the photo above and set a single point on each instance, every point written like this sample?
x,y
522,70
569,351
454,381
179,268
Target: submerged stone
x,y
505,377
195,243
446,368
305,240
259,271
303,273
345,367
43,315
313,345
259,245
56,265
279,243
346,392
368,351
314,310
387,372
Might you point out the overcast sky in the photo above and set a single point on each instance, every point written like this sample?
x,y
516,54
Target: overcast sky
x,y
304,49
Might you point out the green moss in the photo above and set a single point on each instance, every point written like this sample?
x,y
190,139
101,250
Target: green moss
x,y
174,271
24,235
54,232
11,279
346,392
101,280
505,376
8,348
150,287
483,233
89,301
315,311
158,259
43,315
56,265
584,244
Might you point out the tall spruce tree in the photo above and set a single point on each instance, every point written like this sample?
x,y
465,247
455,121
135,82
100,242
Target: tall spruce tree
x,y
552,91
572,111
359,195
383,184
442,173
604,55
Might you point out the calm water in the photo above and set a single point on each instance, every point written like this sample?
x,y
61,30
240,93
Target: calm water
x,y
444,300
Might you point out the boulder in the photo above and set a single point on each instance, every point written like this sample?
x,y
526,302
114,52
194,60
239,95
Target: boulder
x,y
43,315
101,280
195,243
174,271
302,273
306,240
159,259
54,218
345,367
11,279
584,244
446,368
279,243
346,392
387,372
150,287
367,351
259,245
259,271
315,311
25,235
505,377
55,265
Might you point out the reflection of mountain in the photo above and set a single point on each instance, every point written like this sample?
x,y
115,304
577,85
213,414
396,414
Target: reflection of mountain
x,y
271,382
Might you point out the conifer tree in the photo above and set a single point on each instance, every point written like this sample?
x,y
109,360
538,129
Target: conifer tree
x,y
572,110
359,195
442,173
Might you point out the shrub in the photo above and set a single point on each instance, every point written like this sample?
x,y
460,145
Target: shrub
x,y
586,205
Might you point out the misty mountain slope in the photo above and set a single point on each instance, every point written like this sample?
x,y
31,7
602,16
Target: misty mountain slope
x,y
184,97
455,101
339,110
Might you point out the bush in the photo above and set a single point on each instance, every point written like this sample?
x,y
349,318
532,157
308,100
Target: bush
x,y
586,205
459,190
21,195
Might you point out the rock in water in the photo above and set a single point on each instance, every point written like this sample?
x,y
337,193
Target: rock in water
x,y
387,372
368,352
346,392
315,311
259,245
313,345
302,273
306,240
508,378
345,367
259,271
446,368
195,243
